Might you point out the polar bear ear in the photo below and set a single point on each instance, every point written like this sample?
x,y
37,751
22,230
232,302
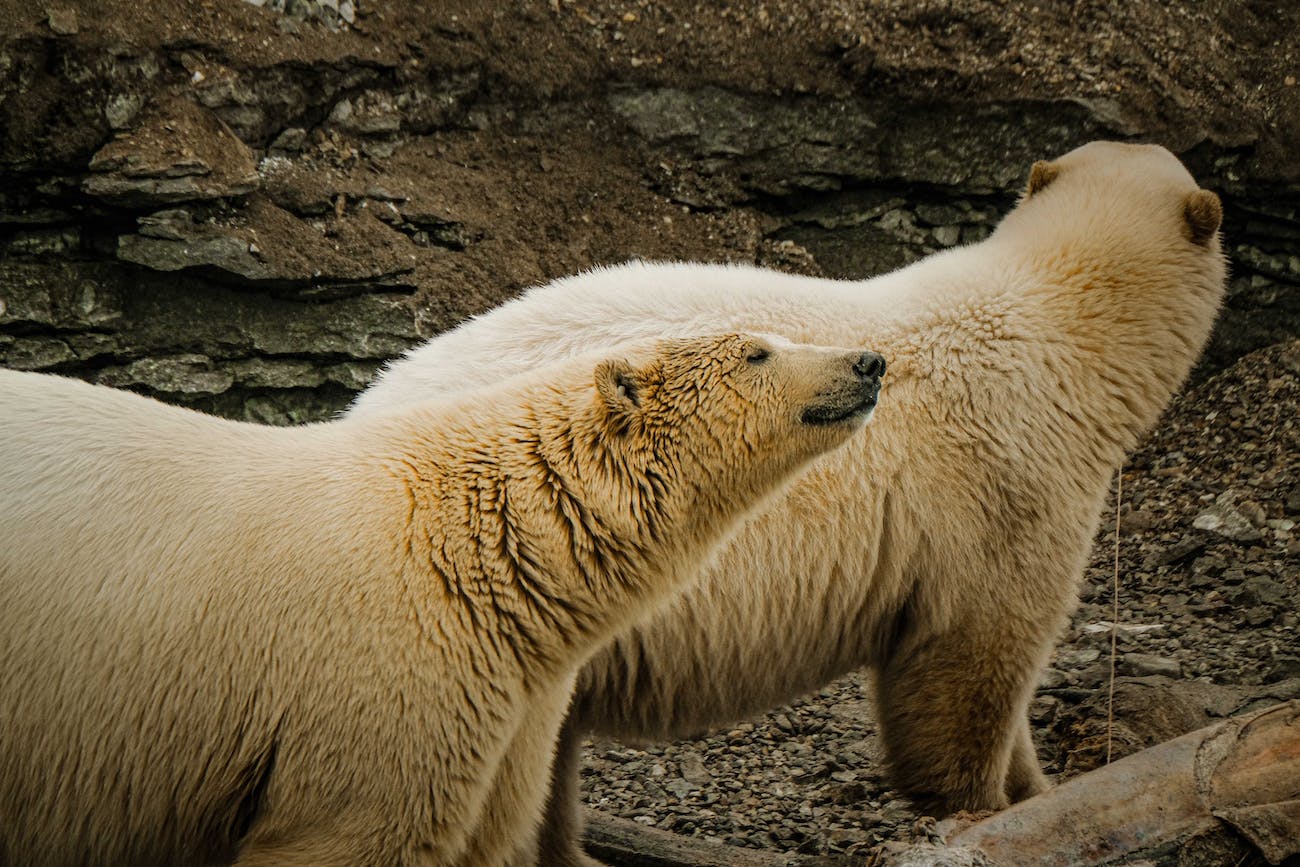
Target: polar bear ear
x,y
619,387
1041,174
1203,212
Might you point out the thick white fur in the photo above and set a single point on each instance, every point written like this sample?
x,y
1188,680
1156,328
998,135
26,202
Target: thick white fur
x,y
942,548
312,646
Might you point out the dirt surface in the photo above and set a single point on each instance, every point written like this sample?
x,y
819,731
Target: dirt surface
x,y
247,208
1222,69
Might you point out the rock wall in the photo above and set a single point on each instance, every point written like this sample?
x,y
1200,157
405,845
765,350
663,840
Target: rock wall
x,y
247,211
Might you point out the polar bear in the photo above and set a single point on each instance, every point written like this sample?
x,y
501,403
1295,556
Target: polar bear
x,y
943,547
312,646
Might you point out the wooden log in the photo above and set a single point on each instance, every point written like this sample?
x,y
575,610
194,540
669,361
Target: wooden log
x,y
624,843
1274,829
1244,771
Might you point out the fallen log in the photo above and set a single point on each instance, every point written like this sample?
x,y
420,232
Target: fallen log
x,y
1242,773
625,843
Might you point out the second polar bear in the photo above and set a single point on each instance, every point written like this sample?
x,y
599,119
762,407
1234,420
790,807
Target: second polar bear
x,y
943,548
313,646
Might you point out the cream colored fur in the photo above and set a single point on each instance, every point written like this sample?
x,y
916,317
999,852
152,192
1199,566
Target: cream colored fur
x,y
943,547
313,646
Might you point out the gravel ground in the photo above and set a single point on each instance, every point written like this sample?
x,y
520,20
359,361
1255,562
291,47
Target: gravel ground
x,y
1209,595
334,14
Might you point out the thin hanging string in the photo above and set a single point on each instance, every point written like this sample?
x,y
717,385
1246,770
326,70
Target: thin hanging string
x,y
1114,617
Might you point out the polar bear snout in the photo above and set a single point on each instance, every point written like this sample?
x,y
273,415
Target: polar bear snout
x,y
849,397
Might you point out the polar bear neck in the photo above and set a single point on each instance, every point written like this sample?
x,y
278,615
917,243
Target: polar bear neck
x,y
529,526
1129,330
1099,321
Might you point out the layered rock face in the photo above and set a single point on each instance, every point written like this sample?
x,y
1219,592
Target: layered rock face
x,y
248,207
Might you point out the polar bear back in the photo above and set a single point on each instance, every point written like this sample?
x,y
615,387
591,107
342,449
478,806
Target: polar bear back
x,y
646,300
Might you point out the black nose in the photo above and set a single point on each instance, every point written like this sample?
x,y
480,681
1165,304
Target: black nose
x,y
869,365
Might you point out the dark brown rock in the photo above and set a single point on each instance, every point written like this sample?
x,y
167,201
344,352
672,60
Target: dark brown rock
x,y
176,151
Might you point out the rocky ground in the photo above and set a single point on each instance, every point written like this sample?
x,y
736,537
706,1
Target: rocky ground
x,y
1208,625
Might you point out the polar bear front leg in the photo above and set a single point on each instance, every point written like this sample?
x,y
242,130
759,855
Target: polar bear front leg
x,y
1025,776
508,828
362,835
953,709
560,843
325,850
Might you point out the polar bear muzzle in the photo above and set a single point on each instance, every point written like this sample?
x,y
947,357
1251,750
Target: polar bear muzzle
x,y
853,395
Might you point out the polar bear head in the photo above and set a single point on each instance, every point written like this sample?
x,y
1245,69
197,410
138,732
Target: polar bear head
x,y
732,411
1141,188
1125,254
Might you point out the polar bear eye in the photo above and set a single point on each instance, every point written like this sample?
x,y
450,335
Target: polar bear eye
x,y
757,355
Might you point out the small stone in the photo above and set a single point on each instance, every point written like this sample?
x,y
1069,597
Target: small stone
x,y
1253,512
939,215
37,353
896,810
1260,615
122,108
63,21
1044,708
290,140
680,787
342,112
1138,520
1260,590
693,770
847,793
381,194
1224,519
154,165
1078,658
1175,553
276,373
948,236
1209,565
1292,504
1285,667
172,224
379,149
1146,665
1290,357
